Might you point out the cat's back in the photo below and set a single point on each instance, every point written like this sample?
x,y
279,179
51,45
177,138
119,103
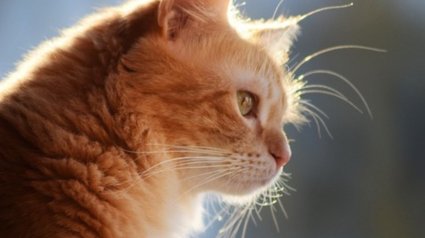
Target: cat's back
x,y
61,156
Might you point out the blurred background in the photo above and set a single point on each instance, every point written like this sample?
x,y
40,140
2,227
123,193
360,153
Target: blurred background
x,y
369,180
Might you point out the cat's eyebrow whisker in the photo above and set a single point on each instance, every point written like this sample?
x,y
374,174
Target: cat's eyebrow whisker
x,y
302,92
320,86
344,79
302,17
334,48
312,106
309,112
322,121
276,9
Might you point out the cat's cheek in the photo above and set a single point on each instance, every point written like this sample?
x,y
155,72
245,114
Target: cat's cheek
x,y
252,123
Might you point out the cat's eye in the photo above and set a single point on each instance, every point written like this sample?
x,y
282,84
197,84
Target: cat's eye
x,y
246,102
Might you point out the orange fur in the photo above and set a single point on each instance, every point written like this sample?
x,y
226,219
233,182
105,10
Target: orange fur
x,y
88,118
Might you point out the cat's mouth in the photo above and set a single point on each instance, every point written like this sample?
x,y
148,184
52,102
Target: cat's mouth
x,y
267,181
254,184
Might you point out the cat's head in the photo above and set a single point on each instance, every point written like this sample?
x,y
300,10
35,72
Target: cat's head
x,y
215,86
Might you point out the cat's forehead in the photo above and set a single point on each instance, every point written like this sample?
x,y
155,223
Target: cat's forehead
x,y
246,61
249,68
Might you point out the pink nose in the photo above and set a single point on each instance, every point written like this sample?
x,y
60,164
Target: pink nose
x,y
278,146
281,154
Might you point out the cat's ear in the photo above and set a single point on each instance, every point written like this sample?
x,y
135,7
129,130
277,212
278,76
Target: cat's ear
x,y
277,36
173,15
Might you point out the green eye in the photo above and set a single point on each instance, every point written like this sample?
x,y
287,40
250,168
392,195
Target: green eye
x,y
245,102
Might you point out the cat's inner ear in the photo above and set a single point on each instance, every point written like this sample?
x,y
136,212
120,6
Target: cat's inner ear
x,y
276,36
174,15
168,18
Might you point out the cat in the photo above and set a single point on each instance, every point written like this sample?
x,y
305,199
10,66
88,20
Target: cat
x,y
120,126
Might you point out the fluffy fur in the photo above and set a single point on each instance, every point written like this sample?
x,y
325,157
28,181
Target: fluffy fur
x,y
121,125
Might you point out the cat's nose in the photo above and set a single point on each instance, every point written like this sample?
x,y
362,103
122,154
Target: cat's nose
x,y
281,155
279,149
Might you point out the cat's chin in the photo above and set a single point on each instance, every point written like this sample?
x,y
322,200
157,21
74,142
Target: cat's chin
x,y
247,190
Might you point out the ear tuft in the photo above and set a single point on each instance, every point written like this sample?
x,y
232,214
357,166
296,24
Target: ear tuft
x,y
167,19
174,15
276,36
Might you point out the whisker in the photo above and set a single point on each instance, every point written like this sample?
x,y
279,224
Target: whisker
x,y
302,92
273,17
257,211
313,115
319,86
206,173
233,222
176,151
335,48
312,106
276,9
244,215
184,166
187,150
322,121
272,211
210,159
205,181
283,209
219,215
245,225
190,147
344,79
324,9
252,215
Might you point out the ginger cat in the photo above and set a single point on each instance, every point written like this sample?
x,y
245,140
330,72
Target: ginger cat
x,y
119,127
